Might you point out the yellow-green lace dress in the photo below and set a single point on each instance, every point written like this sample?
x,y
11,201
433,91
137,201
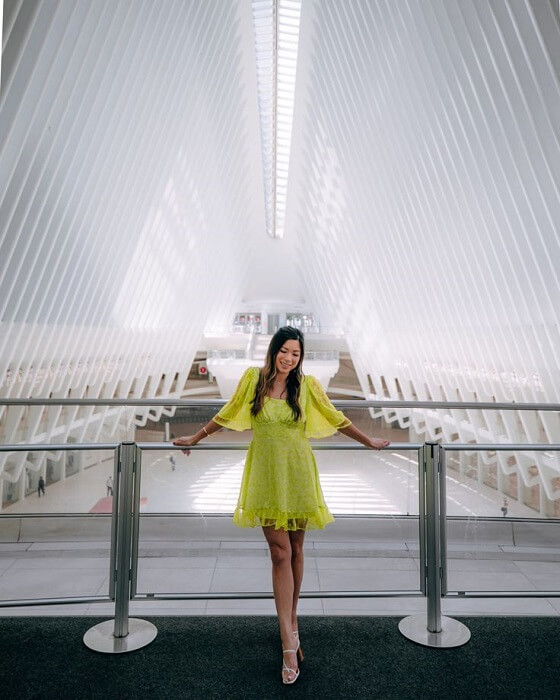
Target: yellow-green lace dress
x,y
280,484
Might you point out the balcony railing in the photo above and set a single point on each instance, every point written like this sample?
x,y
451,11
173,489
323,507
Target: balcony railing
x,y
430,628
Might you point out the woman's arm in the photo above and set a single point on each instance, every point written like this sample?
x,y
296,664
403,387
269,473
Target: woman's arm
x,y
235,415
190,440
356,434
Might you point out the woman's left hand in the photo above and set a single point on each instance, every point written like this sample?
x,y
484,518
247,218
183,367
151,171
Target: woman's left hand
x,y
378,443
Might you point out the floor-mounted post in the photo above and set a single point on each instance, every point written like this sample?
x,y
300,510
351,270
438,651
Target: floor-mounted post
x,y
431,628
123,633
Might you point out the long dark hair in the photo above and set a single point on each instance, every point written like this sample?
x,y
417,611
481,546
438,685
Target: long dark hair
x,y
267,373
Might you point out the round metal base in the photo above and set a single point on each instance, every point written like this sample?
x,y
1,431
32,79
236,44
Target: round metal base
x,y
101,638
453,633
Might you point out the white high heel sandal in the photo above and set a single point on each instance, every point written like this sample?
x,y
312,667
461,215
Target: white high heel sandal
x,y
287,669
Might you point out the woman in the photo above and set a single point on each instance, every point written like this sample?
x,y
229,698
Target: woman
x,y
280,489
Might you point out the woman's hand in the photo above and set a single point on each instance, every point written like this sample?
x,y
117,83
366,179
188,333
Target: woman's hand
x,y
378,443
185,441
356,434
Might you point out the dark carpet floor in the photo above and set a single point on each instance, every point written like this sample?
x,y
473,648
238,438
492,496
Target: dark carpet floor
x,y
239,657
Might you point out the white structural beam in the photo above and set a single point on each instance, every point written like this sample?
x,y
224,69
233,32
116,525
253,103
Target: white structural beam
x,y
127,169
426,171
1,37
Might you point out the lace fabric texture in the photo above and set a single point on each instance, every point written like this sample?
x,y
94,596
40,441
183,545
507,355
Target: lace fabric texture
x,y
280,485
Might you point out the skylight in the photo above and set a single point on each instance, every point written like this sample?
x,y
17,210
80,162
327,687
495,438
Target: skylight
x,y
276,28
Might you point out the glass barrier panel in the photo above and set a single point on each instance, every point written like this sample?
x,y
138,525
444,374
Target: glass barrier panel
x,y
374,542
205,482
55,523
502,533
184,501
188,543
365,482
186,530
57,482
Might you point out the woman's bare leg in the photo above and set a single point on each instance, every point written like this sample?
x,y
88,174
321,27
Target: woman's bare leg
x,y
283,587
296,541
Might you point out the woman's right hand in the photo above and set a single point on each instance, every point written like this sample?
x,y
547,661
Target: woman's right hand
x,y
185,441
378,443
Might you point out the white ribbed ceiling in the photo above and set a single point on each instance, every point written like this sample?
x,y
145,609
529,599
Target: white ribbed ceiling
x,y
423,193
428,173
131,205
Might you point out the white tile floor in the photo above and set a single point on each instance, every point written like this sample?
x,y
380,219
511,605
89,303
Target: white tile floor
x,y
231,567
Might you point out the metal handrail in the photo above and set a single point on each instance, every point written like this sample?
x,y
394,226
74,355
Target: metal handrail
x,y
66,446
245,446
39,447
490,447
338,403
500,447
262,595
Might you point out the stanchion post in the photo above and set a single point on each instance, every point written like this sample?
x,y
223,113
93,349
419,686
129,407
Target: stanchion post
x,y
114,519
433,551
443,518
135,523
124,544
422,517
123,633
431,628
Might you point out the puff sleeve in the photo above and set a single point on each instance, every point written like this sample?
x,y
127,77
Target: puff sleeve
x,y
321,417
236,414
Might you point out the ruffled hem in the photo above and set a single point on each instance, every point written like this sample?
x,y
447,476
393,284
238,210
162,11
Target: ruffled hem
x,y
265,517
